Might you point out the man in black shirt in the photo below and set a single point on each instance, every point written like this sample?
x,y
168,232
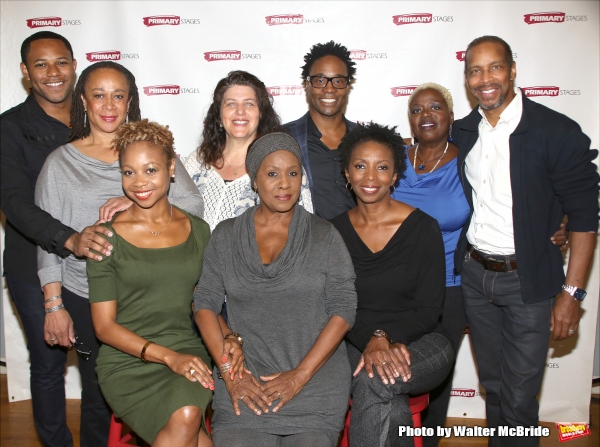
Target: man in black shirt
x,y
327,74
29,132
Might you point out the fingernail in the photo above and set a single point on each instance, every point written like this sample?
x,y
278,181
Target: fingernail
x,y
99,258
212,387
110,235
224,359
258,412
371,376
385,381
392,381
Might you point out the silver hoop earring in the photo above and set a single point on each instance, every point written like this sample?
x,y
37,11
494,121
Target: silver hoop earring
x,y
349,186
412,139
392,189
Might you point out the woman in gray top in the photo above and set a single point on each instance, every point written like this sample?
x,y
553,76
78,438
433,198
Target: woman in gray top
x,y
76,180
290,292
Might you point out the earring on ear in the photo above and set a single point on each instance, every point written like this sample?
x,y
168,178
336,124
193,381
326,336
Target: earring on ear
x,y
450,133
221,125
84,119
412,139
127,119
349,186
392,189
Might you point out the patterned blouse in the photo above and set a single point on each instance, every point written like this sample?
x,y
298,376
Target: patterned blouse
x,y
223,200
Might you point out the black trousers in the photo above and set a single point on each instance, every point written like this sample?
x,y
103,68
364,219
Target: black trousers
x,y
510,340
48,368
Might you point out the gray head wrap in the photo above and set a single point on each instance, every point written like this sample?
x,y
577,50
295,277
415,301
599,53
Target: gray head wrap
x,y
267,144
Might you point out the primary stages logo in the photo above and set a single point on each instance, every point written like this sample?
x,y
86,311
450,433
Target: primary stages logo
x,y
228,55
460,56
286,90
361,55
552,17
420,17
462,392
541,91
168,89
405,90
111,55
169,20
50,21
291,19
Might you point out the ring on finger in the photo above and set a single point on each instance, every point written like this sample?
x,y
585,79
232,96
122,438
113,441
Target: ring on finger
x,y
279,395
241,397
384,363
571,331
53,339
192,371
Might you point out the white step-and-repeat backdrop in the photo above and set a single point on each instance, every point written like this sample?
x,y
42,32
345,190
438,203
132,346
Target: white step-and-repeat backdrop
x,y
178,50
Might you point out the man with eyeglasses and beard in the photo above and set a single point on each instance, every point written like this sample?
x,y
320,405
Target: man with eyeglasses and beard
x,y
327,75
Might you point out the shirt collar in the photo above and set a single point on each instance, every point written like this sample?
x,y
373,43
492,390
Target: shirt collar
x,y
513,111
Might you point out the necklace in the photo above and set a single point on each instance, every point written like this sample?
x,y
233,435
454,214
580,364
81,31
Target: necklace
x,y
235,170
153,233
422,165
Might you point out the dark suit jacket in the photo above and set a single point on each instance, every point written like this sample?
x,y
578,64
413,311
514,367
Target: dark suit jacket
x,y
298,130
551,174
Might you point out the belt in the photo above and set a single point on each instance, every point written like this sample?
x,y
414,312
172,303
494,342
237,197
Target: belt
x,y
494,265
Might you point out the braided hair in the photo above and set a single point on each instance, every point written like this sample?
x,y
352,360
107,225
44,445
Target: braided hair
x,y
80,127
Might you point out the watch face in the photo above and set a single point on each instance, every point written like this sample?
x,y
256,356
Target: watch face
x,y
579,294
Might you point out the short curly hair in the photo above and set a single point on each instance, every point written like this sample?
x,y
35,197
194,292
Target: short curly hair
x,y
378,133
330,48
437,87
80,126
145,130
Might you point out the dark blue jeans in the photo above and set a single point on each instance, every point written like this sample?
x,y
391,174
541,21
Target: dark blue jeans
x,y
510,340
47,366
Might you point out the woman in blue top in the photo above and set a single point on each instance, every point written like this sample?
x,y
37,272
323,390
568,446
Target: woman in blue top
x,y
431,183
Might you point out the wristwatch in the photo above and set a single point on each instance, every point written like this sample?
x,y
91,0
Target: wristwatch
x,y
237,336
382,334
575,292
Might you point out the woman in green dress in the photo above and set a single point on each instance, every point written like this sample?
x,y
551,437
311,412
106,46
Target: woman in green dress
x,y
153,368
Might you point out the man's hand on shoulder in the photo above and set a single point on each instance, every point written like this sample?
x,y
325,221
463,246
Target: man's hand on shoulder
x,y
88,239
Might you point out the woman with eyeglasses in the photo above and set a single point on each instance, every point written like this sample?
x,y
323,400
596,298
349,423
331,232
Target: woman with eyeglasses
x,y
77,180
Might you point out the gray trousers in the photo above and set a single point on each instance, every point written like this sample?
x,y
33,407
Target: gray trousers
x,y
510,340
378,409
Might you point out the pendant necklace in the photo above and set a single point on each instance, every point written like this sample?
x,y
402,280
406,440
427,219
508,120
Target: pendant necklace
x,y
422,165
153,233
235,170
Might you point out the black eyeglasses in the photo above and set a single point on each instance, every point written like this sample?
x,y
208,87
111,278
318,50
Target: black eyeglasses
x,y
338,82
81,348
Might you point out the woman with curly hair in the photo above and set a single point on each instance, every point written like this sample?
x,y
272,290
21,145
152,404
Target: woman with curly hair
x,y
398,258
152,367
76,180
241,110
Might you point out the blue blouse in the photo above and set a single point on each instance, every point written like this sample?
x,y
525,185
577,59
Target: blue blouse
x,y
440,195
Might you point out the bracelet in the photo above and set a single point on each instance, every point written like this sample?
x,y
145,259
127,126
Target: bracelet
x,y
225,367
55,308
143,353
237,336
53,298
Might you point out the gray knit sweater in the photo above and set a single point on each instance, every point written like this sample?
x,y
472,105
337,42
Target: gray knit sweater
x,y
72,187
280,310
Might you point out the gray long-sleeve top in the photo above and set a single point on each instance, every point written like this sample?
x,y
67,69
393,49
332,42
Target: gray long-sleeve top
x,y
280,309
72,187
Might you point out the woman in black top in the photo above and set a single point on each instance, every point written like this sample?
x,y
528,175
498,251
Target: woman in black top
x,y
398,257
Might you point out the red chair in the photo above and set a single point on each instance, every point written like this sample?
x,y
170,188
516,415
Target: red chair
x,y
116,438
417,404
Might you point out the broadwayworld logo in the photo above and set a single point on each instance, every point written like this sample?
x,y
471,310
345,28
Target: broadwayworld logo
x,y
405,90
169,20
50,21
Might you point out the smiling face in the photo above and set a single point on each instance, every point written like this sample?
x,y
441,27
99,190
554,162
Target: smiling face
x,y
327,101
240,114
371,171
429,116
145,173
106,100
50,70
278,181
489,76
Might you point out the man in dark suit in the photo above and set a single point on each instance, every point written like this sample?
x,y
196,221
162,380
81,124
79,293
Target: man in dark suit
x,y
327,75
523,167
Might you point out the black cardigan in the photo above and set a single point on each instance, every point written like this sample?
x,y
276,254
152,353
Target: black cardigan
x,y
28,135
552,174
